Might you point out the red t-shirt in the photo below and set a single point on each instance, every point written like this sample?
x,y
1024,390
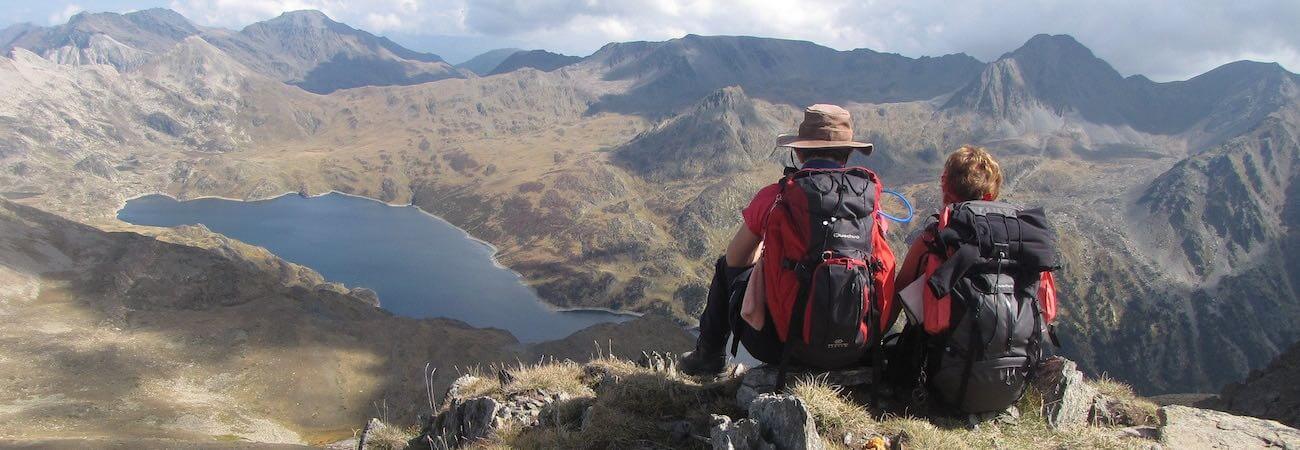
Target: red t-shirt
x,y
758,208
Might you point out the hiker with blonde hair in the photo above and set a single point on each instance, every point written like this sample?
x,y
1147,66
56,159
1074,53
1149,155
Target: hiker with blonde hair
x,y
979,294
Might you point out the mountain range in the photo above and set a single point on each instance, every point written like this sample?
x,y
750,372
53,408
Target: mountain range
x,y
616,179
303,48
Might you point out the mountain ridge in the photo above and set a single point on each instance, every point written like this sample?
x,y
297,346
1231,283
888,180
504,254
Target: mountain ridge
x,y
537,59
483,63
305,48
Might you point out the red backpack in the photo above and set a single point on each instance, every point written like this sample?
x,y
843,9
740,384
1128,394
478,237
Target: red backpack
x,y
827,270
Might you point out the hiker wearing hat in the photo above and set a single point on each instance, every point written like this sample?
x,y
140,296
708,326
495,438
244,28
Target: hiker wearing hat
x,y
807,279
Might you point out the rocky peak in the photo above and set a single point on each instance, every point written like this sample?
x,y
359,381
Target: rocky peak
x,y
150,30
1060,47
538,59
724,132
671,75
488,61
1052,71
303,18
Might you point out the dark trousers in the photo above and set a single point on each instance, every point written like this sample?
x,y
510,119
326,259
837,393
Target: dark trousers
x,y
721,318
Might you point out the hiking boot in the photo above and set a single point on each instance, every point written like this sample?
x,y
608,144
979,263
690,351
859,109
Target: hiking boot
x,y
703,362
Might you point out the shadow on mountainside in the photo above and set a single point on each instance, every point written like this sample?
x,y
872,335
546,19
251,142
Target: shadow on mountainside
x,y
208,337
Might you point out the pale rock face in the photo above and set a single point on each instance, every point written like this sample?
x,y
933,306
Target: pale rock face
x,y
102,49
1186,427
784,421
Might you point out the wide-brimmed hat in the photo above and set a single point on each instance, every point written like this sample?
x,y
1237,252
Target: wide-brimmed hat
x,y
824,126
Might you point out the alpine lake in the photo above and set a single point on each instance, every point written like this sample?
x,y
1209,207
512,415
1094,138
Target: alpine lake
x,y
420,265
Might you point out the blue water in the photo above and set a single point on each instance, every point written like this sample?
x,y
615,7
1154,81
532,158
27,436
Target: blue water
x,y
420,266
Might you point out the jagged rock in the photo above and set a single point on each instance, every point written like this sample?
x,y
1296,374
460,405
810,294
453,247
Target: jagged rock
x,y
763,379
784,421
658,362
505,377
367,295
1186,427
1067,400
96,165
678,430
374,425
1139,432
464,422
476,418
742,434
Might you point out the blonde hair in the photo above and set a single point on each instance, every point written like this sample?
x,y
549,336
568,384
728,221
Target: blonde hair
x,y
972,174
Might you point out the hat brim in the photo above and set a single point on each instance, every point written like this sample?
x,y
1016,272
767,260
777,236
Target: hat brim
x,y
793,141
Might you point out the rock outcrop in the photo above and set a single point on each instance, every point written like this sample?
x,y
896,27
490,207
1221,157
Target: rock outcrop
x,y
784,421
1070,401
468,419
742,434
1067,399
1269,393
1185,427
779,422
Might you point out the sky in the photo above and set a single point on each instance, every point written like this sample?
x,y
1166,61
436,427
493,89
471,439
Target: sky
x,y
1162,39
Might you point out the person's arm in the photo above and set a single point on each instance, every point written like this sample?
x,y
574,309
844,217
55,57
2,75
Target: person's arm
x,y
911,265
743,250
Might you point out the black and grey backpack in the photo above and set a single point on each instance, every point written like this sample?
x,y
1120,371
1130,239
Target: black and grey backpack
x,y
979,355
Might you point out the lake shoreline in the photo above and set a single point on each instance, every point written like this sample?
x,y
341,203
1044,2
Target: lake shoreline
x,y
492,249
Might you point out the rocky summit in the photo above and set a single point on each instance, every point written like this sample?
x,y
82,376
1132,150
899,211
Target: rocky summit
x,y
608,181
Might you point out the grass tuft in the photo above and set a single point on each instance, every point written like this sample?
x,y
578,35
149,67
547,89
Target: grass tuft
x,y
389,437
834,414
555,377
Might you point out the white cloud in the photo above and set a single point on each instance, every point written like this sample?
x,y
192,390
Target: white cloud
x,y
1164,39
62,15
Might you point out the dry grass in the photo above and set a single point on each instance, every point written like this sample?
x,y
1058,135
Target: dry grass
x,y
390,437
555,377
482,385
1137,408
625,411
835,415
629,404
550,376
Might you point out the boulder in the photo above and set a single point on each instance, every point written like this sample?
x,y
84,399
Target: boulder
x,y
475,419
742,434
464,422
1186,427
763,380
784,421
1067,400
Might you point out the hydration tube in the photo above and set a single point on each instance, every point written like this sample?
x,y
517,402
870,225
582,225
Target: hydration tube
x,y
910,211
